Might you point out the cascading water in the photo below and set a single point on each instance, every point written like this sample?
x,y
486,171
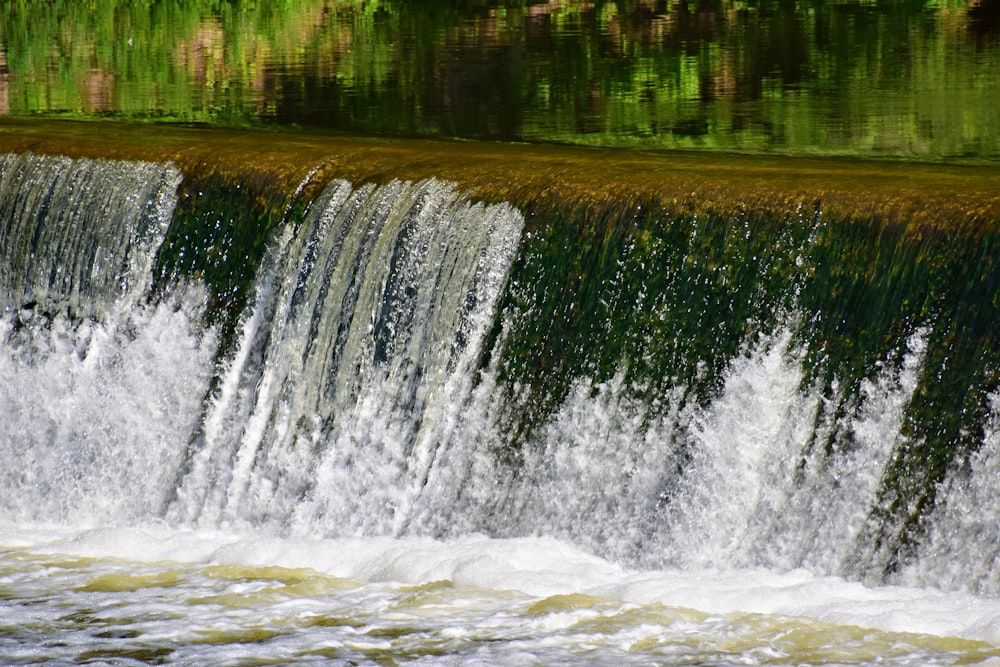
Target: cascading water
x,y
79,234
663,389
97,387
354,364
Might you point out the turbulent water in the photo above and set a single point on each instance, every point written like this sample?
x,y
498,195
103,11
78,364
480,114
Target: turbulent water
x,y
407,444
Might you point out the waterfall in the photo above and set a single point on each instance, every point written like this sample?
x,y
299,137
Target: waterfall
x,y
664,387
79,234
354,363
97,386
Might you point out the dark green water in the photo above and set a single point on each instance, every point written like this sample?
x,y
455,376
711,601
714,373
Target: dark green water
x,y
907,78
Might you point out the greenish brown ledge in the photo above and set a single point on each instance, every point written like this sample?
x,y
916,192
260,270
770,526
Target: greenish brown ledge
x,y
934,193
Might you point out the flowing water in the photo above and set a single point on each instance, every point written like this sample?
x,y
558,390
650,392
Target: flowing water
x,y
413,428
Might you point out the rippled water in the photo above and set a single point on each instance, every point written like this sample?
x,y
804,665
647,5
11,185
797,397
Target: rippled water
x,y
160,596
913,79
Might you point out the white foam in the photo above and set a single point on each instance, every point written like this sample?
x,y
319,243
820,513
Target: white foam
x,y
539,567
97,414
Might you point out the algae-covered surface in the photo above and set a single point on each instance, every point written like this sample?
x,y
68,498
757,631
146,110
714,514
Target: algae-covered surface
x,y
934,192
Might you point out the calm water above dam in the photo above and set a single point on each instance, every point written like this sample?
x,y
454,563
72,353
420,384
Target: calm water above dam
x,y
912,78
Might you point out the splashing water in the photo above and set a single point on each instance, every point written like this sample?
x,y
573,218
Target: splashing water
x,y
342,481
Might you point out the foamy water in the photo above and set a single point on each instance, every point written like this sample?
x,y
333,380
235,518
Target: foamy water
x,y
209,597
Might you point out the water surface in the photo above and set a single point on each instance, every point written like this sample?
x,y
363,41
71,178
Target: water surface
x,y
157,596
910,79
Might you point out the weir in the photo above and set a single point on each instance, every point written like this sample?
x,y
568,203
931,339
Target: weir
x,y
669,360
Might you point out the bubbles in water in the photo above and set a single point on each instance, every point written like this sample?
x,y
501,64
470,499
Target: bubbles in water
x,y
96,413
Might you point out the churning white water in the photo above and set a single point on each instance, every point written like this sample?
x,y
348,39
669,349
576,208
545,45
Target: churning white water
x,y
95,414
328,490
173,596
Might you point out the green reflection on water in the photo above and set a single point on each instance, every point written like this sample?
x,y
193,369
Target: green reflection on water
x,y
871,78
